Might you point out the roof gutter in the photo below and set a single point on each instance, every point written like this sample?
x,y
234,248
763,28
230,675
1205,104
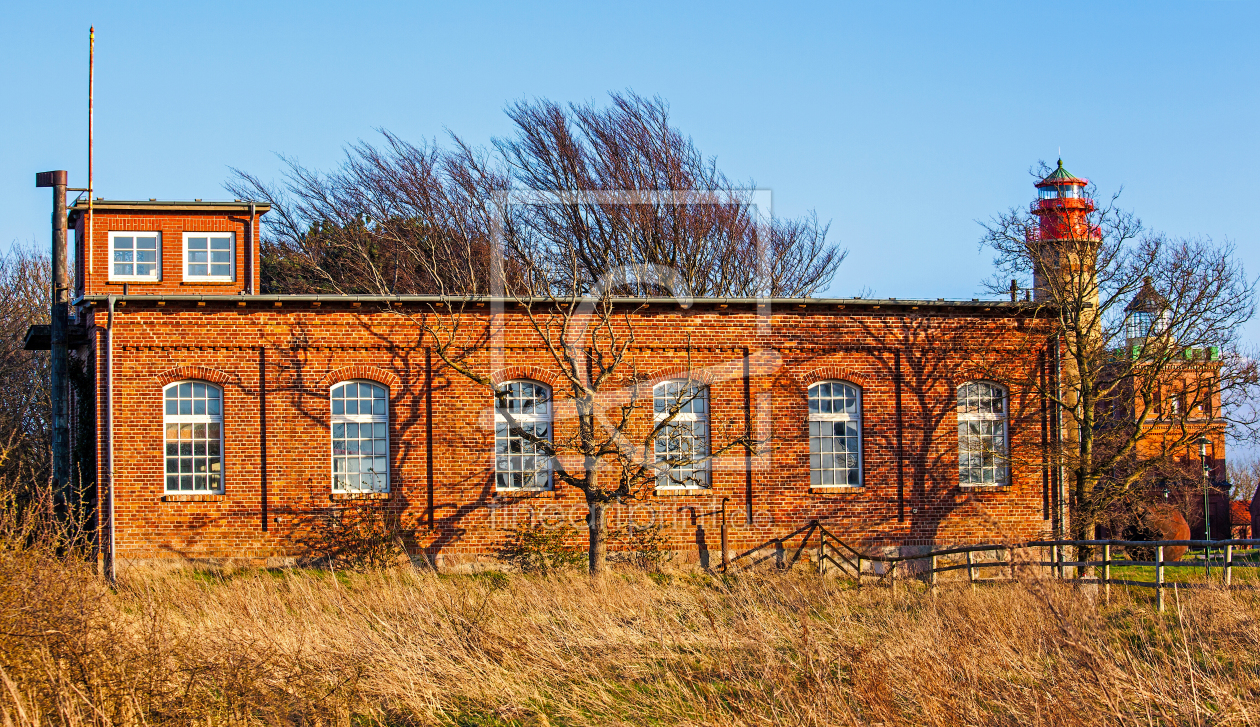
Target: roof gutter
x,y
457,301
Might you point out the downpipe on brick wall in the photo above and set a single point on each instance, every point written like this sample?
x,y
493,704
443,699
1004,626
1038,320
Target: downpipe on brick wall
x,y
1063,484
109,431
249,252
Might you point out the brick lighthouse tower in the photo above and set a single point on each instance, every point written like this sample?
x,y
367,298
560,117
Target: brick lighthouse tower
x,y
1064,258
1064,254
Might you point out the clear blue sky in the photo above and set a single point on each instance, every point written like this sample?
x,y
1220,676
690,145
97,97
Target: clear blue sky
x,y
901,123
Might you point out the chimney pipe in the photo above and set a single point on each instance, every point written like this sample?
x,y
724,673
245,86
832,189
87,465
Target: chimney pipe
x,y
60,338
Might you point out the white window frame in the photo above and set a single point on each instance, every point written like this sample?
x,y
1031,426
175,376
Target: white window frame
x,y
815,473
662,401
1002,466
193,420
357,419
157,268
184,251
502,453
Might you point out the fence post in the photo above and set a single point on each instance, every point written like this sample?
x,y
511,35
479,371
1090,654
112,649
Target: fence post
x,y
971,572
1159,577
1010,555
1058,561
1107,572
1229,564
859,571
892,575
822,553
726,556
932,573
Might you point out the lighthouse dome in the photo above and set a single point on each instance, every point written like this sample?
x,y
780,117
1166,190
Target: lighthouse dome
x,y
1061,184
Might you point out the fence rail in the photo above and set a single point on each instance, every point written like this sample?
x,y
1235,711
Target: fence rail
x,y
832,551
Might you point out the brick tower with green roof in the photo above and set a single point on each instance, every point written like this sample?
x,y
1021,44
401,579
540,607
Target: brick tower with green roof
x,y
1065,236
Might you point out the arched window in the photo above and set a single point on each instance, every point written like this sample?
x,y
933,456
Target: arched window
x,y
982,453
682,444
360,437
835,434
193,419
521,419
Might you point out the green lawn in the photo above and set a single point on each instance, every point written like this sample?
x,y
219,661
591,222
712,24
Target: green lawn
x,y
1180,573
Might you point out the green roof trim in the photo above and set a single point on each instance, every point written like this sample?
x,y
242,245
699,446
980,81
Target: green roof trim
x,y
1061,176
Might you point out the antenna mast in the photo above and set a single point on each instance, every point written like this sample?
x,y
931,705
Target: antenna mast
x,y
87,267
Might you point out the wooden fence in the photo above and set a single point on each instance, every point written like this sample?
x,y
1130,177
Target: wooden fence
x,y
1051,554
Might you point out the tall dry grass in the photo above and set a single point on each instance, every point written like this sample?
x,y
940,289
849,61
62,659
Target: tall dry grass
x,y
405,647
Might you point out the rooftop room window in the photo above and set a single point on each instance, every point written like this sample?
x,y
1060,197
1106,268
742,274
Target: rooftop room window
x,y
682,444
194,437
520,459
209,256
360,437
835,434
1064,192
135,256
982,451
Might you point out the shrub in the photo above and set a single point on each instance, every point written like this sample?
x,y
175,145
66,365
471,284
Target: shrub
x,y
642,546
359,536
542,550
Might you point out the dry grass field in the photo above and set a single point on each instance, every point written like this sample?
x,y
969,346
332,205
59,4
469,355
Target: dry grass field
x,y
404,647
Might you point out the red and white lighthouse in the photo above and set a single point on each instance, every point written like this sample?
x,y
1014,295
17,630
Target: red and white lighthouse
x,y
1066,237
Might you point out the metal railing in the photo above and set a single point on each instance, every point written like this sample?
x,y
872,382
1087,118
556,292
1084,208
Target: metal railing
x,y
834,552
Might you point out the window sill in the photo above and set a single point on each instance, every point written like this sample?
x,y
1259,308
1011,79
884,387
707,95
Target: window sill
x,y
344,496
131,281
194,281
193,498
1004,486
834,488
682,491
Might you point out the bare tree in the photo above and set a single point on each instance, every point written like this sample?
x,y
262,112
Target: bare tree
x,y
25,397
401,218
1148,330
614,187
1244,477
631,193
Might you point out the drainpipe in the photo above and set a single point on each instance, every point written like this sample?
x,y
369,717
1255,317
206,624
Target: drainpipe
x,y
109,432
1063,485
249,251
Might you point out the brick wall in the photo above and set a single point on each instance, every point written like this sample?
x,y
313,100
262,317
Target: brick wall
x,y
276,365
92,258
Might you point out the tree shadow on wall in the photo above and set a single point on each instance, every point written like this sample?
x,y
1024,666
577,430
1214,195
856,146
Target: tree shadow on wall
x,y
933,356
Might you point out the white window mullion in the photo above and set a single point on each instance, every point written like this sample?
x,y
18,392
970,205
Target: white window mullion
x,y
360,437
835,435
982,434
520,464
135,256
209,256
193,438
682,446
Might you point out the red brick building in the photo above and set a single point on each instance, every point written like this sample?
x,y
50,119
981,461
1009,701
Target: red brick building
x,y
216,419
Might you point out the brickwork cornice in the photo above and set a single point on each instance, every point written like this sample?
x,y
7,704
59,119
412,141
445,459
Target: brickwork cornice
x,y
361,371
831,373
201,373
533,373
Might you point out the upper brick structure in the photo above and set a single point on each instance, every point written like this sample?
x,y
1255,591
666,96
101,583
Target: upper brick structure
x,y
156,247
275,361
231,421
